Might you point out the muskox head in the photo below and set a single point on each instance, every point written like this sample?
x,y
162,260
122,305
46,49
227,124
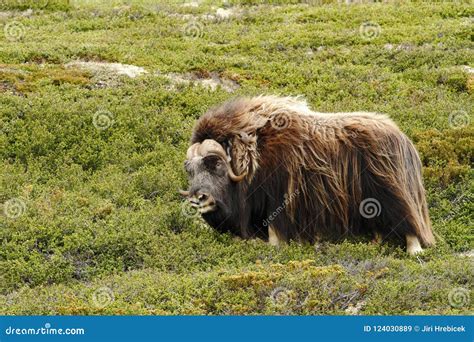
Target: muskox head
x,y
212,182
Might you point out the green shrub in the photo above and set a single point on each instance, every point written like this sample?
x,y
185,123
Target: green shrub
x,y
35,4
99,214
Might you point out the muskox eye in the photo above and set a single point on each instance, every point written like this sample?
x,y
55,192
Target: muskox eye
x,y
212,162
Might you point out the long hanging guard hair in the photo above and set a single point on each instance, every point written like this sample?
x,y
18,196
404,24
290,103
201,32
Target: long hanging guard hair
x,y
323,166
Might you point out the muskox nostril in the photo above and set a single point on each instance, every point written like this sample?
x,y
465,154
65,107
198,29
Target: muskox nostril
x,y
194,202
203,197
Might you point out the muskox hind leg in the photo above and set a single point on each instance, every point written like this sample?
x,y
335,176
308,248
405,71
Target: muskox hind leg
x,y
397,216
272,236
395,182
413,244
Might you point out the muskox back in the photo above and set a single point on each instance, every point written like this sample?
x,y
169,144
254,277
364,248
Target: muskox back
x,y
316,175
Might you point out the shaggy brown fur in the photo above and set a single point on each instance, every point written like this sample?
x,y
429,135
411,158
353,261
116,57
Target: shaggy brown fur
x,y
319,167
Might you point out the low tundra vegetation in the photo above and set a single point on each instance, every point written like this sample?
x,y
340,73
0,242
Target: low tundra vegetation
x,y
90,218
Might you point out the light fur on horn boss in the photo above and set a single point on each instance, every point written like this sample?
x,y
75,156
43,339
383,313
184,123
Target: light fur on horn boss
x,y
210,146
192,151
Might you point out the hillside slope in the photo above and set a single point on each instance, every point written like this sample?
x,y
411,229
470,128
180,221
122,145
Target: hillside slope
x,y
91,154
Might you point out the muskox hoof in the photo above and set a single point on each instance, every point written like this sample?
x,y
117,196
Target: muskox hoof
x,y
377,239
413,245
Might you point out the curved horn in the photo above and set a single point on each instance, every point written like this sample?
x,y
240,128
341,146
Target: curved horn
x,y
184,193
233,176
209,146
192,151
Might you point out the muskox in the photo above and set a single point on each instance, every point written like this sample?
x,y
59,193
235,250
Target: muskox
x,y
270,167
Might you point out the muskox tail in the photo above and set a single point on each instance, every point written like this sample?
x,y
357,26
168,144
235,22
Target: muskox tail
x,y
393,177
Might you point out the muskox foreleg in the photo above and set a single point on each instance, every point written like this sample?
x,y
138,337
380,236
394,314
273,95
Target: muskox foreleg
x,y
272,236
413,245
378,237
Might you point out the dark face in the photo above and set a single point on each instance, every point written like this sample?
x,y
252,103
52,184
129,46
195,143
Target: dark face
x,y
210,190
